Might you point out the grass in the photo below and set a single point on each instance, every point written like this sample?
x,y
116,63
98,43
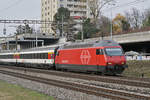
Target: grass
x,y
137,68
14,92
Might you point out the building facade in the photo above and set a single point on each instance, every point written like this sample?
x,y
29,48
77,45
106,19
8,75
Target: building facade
x,y
77,8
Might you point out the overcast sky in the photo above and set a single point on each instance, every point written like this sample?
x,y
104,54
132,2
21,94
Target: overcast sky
x,y
31,9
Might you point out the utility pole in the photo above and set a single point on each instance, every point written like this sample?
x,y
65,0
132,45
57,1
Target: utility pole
x,y
35,36
16,42
111,27
111,23
16,37
62,34
82,33
4,32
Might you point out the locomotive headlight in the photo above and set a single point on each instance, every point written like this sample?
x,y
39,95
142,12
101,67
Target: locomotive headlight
x,y
122,63
109,63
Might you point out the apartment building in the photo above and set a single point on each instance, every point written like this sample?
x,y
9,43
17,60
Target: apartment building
x,y
77,8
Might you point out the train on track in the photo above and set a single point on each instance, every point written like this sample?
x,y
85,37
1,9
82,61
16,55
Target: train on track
x,y
104,56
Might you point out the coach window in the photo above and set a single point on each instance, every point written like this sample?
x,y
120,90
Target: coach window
x,y
30,56
35,56
42,56
46,55
23,57
26,56
99,52
39,56
10,57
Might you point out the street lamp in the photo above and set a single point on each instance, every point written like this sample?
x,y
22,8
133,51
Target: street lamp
x,y
16,37
62,19
36,38
111,23
82,31
4,32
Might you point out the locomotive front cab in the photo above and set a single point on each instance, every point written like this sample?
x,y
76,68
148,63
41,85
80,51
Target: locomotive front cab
x,y
116,61
111,60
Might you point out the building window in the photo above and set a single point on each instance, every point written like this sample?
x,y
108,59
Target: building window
x,y
61,5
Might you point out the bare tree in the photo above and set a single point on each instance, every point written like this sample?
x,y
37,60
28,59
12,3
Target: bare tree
x,y
96,7
104,26
147,12
128,17
146,21
135,18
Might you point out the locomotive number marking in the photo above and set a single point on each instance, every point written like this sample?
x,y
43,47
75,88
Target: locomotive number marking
x,y
65,61
85,56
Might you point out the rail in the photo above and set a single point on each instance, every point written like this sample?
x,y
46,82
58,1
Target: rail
x,y
92,90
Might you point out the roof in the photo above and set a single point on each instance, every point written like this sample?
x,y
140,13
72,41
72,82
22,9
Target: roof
x,y
101,43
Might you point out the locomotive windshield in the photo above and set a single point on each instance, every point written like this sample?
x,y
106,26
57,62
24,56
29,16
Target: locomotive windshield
x,y
113,51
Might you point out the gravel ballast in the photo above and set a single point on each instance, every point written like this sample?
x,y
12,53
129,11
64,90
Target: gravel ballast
x,y
59,93
132,89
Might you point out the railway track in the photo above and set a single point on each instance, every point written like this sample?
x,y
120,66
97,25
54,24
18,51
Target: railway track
x,y
130,81
89,89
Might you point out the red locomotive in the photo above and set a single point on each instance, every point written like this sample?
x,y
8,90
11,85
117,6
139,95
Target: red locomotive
x,y
103,56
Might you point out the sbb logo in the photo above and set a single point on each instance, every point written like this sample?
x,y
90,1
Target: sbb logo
x,y
85,56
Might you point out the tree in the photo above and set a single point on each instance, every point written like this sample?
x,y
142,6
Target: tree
x,y
89,30
125,25
120,24
104,26
62,17
22,29
146,21
135,18
96,7
63,13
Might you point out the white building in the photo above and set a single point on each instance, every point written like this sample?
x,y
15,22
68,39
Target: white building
x,y
77,8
